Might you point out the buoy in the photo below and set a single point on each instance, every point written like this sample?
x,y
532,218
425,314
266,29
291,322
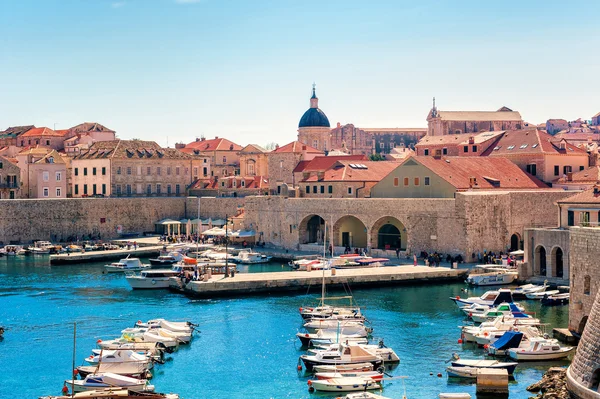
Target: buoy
x,y
457,297
99,341
439,374
430,373
299,367
486,346
460,341
75,372
470,314
300,309
91,356
65,390
311,389
309,382
139,322
486,334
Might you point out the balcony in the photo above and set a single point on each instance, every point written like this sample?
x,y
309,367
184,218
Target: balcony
x,y
10,185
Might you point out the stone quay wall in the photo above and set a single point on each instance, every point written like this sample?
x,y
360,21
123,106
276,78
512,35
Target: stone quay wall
x,y
59,220
584,275
213,207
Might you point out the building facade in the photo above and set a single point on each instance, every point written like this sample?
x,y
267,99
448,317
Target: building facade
x,y
253,161
458,122
10,179
223,155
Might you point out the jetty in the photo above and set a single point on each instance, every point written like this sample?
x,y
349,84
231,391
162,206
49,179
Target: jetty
x,y
259,283
99,256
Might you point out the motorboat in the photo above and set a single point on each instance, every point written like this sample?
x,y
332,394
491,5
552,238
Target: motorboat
x,y
165,260
332,312
474,308
541,349
140,335
387,354
349,355
502,323
542,294
462,372
364,395
504,309
114,393
151,279
1,331
130,369
152,348
119,356
109,380
557,299
348,326
322,337
126,265
482,276
251,257
375,375
73,248
454,395
487,338
157,334
41,248
344,384
490,298
523,290
309,264
13,250
508,340
343,367
175,326
487,364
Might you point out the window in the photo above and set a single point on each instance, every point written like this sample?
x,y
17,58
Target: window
x,y
158,170
168,171
532,169
322,189
149,189
567,169
196,171
205,171
50,159
177,189
76,171
76,189
466,148
224,159
396,181
349,190
85,171
586,285
1,165
523,146
104,189
406,181
570,218
149,170
118,189
222,184
457,131
316,144
426,151
474,148
416,181
330,189
104,171
584,219
307,189
118,170
581,167
444,151
58,176
204,160
251,169
129,170
169,189
314,189
556,170
46,192
85,190
128,189
94,189
510,147
93,171
158,189
243,183
177,170
58,192
426,181
46,175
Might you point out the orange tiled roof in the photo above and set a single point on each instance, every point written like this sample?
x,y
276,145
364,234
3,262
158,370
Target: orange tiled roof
x,y
250,182
296,146
41,131
355,171
584,197
589,175
530,141
216,144
322,163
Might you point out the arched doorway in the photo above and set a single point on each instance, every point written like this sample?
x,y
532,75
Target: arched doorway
x,y
540,260
311,230
515,242
557,259
349,231
388,233
582,324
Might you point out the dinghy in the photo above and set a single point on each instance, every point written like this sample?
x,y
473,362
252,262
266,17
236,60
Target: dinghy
x,y
330,324
523,290
555,300
462,372
541,349
344,384
364,395
540,295
175,326
109,380
491,364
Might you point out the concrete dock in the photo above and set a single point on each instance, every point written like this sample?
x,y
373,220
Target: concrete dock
x,y
99,256
258,283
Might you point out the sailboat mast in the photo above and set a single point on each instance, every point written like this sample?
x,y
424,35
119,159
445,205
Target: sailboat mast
x,y
323,268
73,365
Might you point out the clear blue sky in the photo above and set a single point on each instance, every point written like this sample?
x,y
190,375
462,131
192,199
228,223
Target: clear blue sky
x,y
153,69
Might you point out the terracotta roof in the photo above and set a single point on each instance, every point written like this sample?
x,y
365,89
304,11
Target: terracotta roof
x,y
56,158
578,136
355,171
253,148
394,129
132,149
597,115
16,130
584,197
87,127
589,175
297,147
530,141
36,150
490,173
460,139
321,163
250,182
41,131
480,115
300,167
216,144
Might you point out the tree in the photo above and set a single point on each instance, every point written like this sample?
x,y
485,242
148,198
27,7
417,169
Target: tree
x,y
271,146
376,157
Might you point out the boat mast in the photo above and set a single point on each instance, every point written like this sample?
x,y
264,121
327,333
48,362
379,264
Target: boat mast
x,y
198,234
73,365
226,247
323,268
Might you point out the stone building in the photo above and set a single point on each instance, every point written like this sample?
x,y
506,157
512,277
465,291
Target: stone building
x,y
314,127
10,179
82,136
581,180
319,164
125,168
9,136
596,119
454,145
554,126
283,160
230,186
43,173
223,155
458,122
254,161
43,136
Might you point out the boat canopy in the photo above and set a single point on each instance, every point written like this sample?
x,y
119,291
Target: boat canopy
x,y
510,339
516,312
503,296
168,221
243,233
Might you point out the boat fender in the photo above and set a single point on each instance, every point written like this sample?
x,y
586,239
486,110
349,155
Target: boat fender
x,y
75,372
99,341
309,382
153,281
457,297
65,390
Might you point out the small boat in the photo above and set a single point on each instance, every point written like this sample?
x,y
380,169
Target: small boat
x,y
490,298
343,367
41,248
135,370
348,326
309,264
454,396
474,308
109,380
157,334
119,356
375,375
332,336
151,279
483,275
169,259
364,395
126,265
250,257
541,349
508,340
557,299
332,312
344,384
152,348
540,295
462,372
13,250
1,331
491,364
523,290
114,393
143,336
175,326
350,355
504,309
387,354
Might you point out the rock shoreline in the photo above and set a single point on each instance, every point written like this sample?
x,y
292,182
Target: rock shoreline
x,y
553,385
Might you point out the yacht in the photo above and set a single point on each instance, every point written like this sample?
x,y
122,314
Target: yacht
x,y
491,276
152,279
169,259
126,265
250,257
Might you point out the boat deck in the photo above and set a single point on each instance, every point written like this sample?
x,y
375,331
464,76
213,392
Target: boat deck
x,y
255,283
97,256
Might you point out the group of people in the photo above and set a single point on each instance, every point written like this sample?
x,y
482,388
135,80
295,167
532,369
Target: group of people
x,y
492,258
434,259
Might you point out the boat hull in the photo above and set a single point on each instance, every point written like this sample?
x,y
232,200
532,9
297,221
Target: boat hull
x,y
536,356
510,367
336,385
138,283
309,362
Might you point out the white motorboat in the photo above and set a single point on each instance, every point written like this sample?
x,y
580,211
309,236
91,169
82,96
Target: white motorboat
x,y
152,348
502,323
482,276
157,334
41,248
462,372
166,260
540,349
387,354
126,265
130,369
474,308
119,356
348,326
541,294
487,338
309,264
375,375
151,279
365,395
557,299
493,364
523,290
109,380
350,355
13,250
504,309
343,367
332,312
454,395
174,326
344,384
490,298
332,336
142,336
250,257
114,393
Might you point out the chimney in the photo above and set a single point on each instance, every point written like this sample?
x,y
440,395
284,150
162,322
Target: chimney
x,y
437,154
472,182
569,176
303,148
198,139
202,138
471,140
339,124
179,146
216,137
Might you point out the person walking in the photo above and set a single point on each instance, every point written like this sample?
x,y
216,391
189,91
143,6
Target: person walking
x,y
398,252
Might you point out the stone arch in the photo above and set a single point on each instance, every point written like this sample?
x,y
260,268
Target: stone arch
x,y
389,231
595,380
350,231
311,229
540,260
582,324
557,262
516,242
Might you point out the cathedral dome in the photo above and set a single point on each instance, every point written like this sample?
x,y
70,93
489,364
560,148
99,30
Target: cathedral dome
x,y
314,117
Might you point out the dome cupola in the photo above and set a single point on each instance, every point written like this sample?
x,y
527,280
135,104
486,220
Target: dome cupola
x,y
314,117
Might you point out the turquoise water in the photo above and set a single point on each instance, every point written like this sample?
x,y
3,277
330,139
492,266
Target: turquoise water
x,y
246,348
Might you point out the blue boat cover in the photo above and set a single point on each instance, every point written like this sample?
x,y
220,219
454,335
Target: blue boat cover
x,y
503,296
516,311
510,339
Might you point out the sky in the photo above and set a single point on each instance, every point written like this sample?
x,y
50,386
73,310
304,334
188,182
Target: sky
x,y
174,70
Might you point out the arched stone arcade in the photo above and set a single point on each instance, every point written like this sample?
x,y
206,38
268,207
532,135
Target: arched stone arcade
x,y
311,230
540,260
558,268
349,231
388,233
516,242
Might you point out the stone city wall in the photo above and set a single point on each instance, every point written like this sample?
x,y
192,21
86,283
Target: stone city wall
x,y
550,239
213,207
585,274
58,220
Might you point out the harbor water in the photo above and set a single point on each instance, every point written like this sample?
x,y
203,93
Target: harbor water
x,y
247,346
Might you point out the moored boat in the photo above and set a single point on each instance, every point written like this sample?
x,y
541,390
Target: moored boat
x,y
114,393
165,260
541,294
557,299
490,298
350,355
492,364
126,265
375,375
109,380
250,257
462,372
344,384
541,349
483,276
